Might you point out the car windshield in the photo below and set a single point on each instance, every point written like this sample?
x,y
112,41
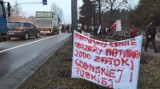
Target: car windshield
x,y
13,24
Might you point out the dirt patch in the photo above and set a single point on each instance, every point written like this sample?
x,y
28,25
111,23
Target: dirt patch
x,y
145,58
56,73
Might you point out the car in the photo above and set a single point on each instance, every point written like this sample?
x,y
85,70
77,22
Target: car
x,y
22,30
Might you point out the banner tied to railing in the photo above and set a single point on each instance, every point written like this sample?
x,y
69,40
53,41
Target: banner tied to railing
x,y
110,64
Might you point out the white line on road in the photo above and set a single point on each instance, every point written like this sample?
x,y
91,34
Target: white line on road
x,y
25,44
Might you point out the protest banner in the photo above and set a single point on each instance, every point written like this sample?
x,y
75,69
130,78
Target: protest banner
x,y
86,34
118,25
99,29
110,64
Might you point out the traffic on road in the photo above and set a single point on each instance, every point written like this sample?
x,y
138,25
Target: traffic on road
x,y
17,54
23,30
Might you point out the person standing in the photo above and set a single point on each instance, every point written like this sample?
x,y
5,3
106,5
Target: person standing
x,y
133,31
150,36
67,28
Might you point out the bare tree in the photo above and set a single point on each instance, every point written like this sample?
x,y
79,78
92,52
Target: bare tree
x,y
16,13
112,5
58,11
16,9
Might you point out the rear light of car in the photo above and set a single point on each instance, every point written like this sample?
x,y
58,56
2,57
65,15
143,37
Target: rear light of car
x,y
19,28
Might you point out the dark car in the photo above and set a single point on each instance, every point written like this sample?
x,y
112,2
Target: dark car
x,y
22,29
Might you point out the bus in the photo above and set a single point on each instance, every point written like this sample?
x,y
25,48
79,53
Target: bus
x,y
4,14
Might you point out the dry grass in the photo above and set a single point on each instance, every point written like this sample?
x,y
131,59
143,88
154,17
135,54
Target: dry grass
x,y
149,74
56,73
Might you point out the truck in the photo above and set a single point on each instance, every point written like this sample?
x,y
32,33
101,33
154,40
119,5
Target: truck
x,y
47,22
4,14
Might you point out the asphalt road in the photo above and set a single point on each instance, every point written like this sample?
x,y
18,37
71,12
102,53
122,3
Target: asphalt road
x,y
19,58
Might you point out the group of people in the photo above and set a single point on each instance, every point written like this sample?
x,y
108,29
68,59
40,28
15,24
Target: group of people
x,y
65,28
150,35
94,31
106,32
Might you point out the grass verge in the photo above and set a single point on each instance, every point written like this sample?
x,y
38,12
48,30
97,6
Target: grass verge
x,y
55,73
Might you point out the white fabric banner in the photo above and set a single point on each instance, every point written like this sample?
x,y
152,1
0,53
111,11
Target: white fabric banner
x,y
86,34
118,25
99,29
110,64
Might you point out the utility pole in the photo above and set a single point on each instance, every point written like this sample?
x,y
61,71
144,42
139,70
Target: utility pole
x,y
99,9
94,18
74,14
74,18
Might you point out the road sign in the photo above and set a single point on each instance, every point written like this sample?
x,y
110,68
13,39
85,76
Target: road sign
x,y
44,2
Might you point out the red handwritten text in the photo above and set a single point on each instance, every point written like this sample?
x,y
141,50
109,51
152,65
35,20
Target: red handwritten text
x,y
98,70
115,61
131,42
101,80
81,54
89,40
88,48
134,54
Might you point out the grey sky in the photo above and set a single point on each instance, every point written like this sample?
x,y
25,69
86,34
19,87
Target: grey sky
x,y
29,9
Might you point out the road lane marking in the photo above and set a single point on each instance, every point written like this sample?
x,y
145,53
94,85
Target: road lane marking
x,y
25,44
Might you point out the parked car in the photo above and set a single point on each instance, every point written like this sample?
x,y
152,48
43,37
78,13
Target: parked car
x,y
22,29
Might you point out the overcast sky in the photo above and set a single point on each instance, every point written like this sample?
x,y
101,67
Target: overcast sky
x,y
65,5
29,9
